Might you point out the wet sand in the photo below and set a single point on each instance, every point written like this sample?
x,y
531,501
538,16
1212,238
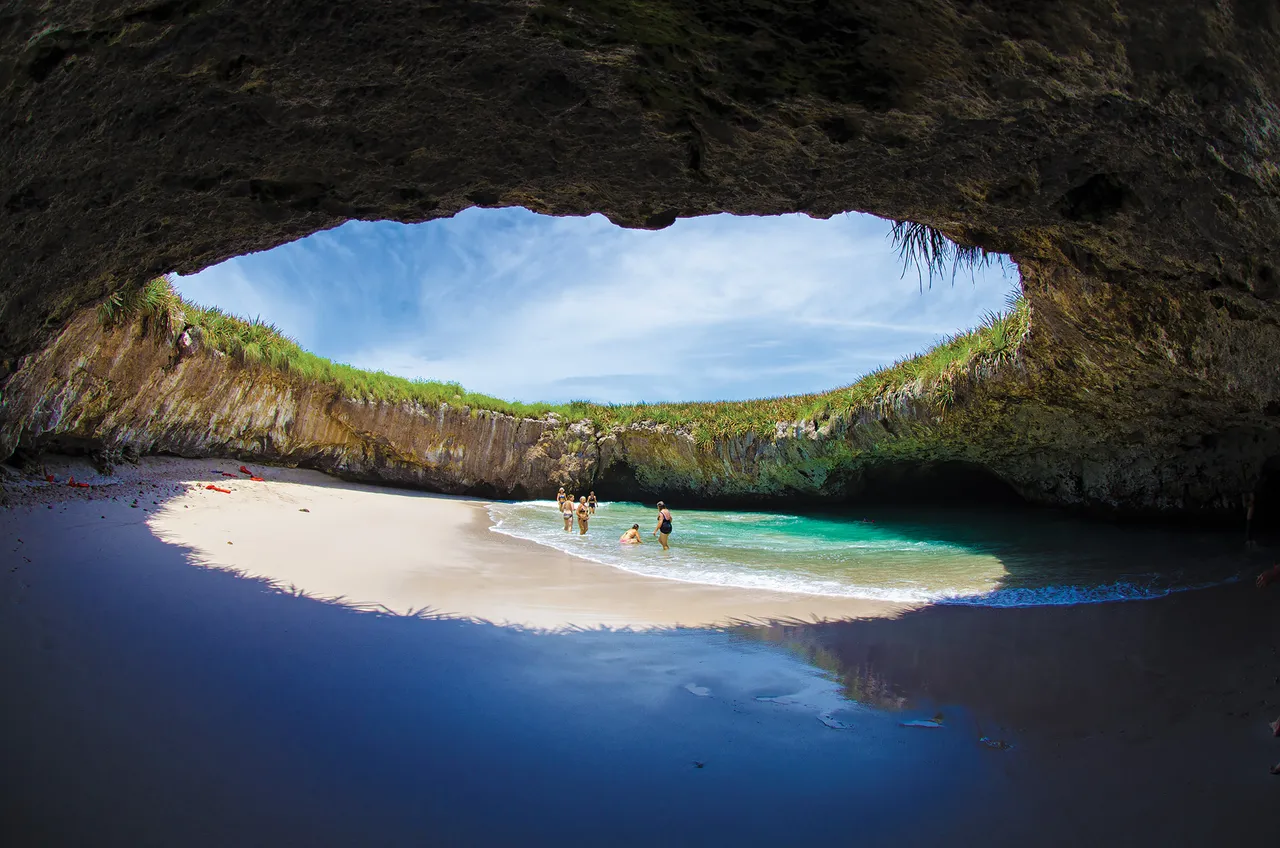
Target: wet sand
x,y
148,700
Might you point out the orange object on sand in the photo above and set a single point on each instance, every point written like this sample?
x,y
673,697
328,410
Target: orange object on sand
x,y
257,479
229,474
214,488
245,470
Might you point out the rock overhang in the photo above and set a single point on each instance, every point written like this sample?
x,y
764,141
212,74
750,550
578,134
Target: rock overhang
x,y
1123,141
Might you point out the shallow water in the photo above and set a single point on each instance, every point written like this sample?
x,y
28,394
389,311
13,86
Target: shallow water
x,y
989,557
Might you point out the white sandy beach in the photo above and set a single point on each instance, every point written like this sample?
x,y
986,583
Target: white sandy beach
x,y
411,552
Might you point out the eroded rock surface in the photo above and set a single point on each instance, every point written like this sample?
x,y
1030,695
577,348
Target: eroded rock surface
x,y
127,393
1134,141
1124,153
123,392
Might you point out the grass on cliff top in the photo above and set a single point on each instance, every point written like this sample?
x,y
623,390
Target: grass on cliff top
x,y
162,312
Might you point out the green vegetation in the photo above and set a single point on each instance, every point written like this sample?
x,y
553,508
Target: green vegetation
x,y
929,251
163,313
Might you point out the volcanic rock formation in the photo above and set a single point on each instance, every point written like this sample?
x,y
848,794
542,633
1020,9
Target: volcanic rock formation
x,y
1124,153
118,391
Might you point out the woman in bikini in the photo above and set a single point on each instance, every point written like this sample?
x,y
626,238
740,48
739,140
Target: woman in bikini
x,y
663,530
632,536
566,512
591,502
560,496
584,515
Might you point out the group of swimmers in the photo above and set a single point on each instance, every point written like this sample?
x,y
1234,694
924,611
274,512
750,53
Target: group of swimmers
x,y
585,507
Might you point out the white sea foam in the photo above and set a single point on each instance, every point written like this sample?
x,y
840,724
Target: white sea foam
x,y
1066,596
905,570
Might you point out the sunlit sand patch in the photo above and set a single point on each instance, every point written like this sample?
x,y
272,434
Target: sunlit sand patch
x,y
409,553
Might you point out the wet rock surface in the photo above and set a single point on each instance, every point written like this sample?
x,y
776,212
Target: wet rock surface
x,y
1123,154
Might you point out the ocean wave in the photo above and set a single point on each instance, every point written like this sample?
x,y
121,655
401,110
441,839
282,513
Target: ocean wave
x,y
509,520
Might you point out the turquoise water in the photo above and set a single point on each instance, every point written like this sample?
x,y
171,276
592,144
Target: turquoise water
x,y
988,557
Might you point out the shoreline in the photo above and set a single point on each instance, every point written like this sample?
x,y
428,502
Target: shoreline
x,y
422,553
1006,594
445,555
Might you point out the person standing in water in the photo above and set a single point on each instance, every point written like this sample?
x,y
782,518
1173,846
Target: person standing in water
x,y
632,536
560,496
591,502
663,530
584,515
566,512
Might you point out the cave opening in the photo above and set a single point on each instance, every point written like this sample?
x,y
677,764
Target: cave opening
x,y
622,483
699,359
1126,154
544,310
944,483
911,483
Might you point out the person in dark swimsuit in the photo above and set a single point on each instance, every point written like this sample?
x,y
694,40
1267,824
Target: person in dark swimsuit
x,y
663,530
591,502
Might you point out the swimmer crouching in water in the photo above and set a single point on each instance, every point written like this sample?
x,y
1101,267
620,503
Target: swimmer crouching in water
x,y
632,536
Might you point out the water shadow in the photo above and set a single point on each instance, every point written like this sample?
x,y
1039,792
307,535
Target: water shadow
x,y
149,700
1047,672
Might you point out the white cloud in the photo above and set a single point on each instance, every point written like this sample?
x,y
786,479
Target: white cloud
x,y
529,307
236,289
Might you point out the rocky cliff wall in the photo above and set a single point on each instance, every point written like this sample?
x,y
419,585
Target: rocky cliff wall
x,y
1020,426
122,391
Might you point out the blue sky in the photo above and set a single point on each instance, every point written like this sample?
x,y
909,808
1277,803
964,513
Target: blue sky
x,y
530,307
